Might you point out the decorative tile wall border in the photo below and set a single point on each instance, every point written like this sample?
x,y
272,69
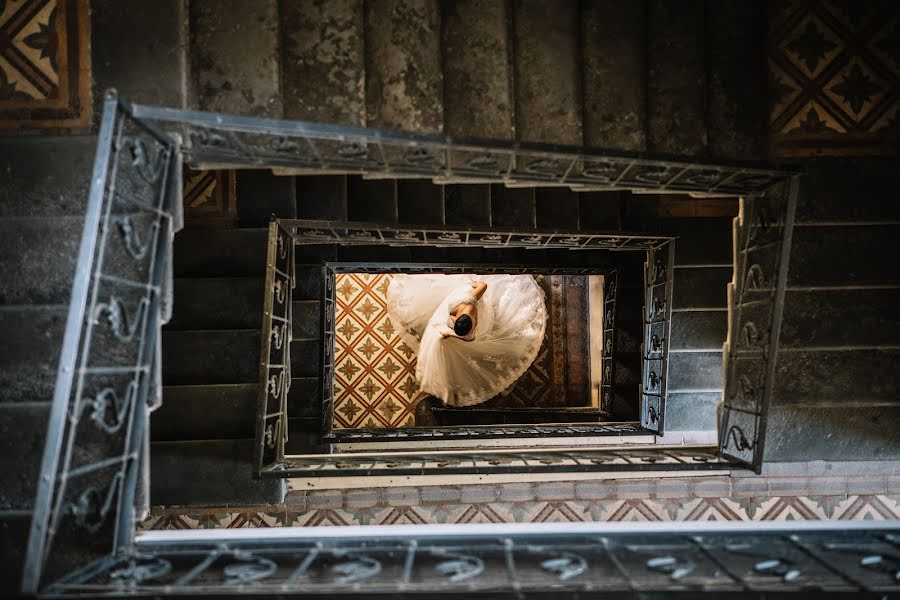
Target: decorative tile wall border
x,y
719,498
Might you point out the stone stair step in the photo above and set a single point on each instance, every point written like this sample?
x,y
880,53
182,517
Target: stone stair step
x,y
467,204
556,208
702,287
14,529
303,437
46,176
547,74
691,411
305,398
843,189
23,430
844,256
217,303
701,241
600,211
614,70
209,473
205,412
306,320
220,253
29,355
695,371
372,200
305,358
323,42
698,330
512,207
261,195
478,78
140,48
210,357
420,202
676,77
229,77
866,317
800,374
308,279
404,80
736,95
322,197
37,259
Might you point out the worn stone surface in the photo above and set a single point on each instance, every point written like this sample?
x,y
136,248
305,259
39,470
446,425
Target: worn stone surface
x,y
735,55
322,197
14,530
210,357
851,189
37,259
695,371
211,473
32,338
371,200
260,195
700,241
304,437
556,208
846,255
420,202
45,176
404,81
841,318
700,330
676,78
205,412
220,253
235,57
322,60
467,204
218,303
140,48
306,319
477,54
512,207
547,72
600,211
691,411
305,358
23,428
835,433
837,377
614,69
305,398
704,287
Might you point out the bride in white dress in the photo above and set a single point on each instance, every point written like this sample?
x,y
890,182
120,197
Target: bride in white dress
x,y
473,336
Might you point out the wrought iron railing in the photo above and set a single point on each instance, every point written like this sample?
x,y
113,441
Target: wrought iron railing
x,y
545,561
762,234
215,140
109,369
275,349
659,282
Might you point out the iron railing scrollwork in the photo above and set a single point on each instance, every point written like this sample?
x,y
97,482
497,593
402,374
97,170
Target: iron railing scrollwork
x,y
94,463
275,349
228,141
762,234
659,279
619,558
607,360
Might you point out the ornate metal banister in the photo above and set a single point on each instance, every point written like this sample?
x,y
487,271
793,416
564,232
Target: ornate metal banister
x,y
95,451
275,353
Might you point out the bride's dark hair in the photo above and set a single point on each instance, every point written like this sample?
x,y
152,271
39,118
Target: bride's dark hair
x,y
463,325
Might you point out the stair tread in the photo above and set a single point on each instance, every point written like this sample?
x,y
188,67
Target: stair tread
x,y
23,429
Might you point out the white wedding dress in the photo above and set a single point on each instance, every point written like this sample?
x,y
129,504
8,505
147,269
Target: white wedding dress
x,y
510,324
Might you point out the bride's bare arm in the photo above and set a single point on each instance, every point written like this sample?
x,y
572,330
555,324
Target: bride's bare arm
x,y
478,289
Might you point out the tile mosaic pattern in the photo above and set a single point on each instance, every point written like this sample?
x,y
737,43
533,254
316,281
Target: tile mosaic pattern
x,y
761,508
209,198
375,382
45,67
834,78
